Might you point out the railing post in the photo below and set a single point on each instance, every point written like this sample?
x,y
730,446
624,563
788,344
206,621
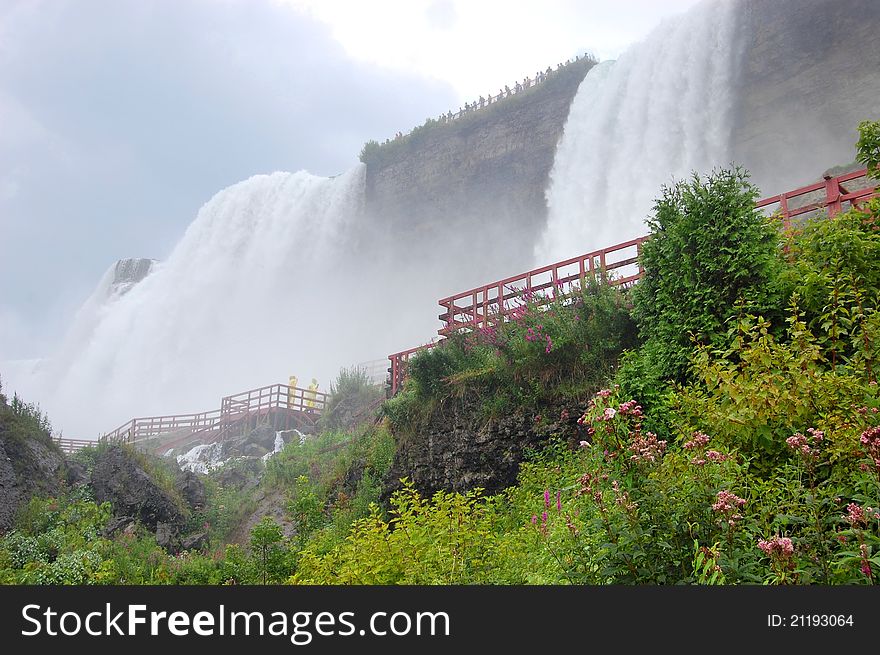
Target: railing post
x,y
832,195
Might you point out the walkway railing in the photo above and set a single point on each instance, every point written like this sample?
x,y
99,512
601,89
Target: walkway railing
x,y
483,305
235,409
69,446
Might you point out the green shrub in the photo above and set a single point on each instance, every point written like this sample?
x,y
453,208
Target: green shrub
x,y
710,250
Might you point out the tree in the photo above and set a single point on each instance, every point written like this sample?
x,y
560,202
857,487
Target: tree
x,y
266,538
711,254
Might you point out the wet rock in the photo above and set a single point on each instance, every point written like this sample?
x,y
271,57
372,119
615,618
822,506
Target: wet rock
x,y
191,489
198,541
28,467
75,474
458,450
9,491
167,536
119,479
119,524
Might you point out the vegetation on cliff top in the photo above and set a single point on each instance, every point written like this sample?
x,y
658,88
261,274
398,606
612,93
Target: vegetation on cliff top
x,y
379,154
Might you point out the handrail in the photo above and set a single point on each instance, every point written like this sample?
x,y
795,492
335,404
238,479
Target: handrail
x,y
491,302
233,408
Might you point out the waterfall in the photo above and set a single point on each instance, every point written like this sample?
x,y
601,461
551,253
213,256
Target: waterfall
x,y
258,288
659,112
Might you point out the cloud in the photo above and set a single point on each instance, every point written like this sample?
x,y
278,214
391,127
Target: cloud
x,y
122,118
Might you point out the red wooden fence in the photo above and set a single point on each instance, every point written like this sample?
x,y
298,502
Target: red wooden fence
x,y
479,307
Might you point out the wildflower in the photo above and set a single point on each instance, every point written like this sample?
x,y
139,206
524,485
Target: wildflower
x,y
715,456
726,501
699,441
728,504
855,515
866,561
604,393
647,448
549,345
609,413
546,498
780,547
558,501
534,519
584,444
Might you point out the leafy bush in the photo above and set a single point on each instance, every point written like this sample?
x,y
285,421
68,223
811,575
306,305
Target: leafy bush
x,y
710,251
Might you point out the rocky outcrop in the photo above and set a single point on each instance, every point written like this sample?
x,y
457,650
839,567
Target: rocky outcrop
x,y
117,478
452,189
9,495
457,450
28,466
191,489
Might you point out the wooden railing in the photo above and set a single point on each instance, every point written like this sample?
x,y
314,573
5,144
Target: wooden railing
x,y
484,305
493,302
234,410
69,446
834,194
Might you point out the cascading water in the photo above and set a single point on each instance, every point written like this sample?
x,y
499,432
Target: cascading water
x,y
662,110
252,293
270,279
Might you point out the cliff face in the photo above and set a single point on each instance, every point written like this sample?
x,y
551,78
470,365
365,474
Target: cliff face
x,y
480,177
810,72
458,450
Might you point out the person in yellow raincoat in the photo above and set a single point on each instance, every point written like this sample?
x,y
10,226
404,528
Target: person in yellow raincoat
x,y
311,395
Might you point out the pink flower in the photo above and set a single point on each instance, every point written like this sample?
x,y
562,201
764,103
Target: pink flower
x,y
647,448
855,515
699,441
780,547
728,504
584,444
604,393
609,413
546,498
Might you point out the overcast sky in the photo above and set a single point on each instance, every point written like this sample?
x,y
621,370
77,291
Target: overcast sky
x,y
120,118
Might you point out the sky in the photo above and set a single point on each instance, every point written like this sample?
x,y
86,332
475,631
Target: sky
x,y
120,118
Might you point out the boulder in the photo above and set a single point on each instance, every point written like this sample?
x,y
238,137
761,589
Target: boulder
x,y
197,541
191,489
168,537
119,479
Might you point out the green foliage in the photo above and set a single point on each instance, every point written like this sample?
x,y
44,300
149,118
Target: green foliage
x,y
446,541
868,145
759,391
266,544
22,421
552,343
710,251
835,273
350,399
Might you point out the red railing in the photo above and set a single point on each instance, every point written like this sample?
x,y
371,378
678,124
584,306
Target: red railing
x,y
234,411
397,370
492,302
832,193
